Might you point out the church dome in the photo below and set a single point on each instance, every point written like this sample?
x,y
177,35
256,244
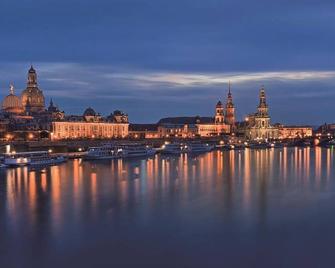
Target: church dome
x,y
32,97
12,103
89,112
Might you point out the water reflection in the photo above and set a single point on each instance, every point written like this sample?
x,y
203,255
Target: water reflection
x,y
222,187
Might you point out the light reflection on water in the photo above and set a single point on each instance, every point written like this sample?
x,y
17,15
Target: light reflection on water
x,y
247,202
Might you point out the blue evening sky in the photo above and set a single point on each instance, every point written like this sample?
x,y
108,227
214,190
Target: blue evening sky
x,y
155,58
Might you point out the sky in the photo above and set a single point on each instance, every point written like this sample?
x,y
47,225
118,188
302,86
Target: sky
x,y
159,58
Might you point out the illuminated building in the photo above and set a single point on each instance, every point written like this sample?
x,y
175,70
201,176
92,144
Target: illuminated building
x,y
143,131
187,127
90,125
32,97
258,124
230,109
12,103
292,132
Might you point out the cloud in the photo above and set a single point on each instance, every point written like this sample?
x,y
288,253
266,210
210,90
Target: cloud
x,y
172,79
146,94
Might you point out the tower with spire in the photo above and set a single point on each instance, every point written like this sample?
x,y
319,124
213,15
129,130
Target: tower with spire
x,y
32,97
230,108
262,108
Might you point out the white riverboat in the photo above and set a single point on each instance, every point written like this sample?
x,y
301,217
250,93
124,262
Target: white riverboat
x,y
197,147
260,145
173,148
138,151
110,151
37,158
107,151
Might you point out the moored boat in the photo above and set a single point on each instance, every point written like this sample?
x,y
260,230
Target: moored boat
x,y
259,145
110,151
135,150
173,148
107,151
32,159
197,147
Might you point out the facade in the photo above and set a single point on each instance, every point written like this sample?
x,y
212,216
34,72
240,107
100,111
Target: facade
x,y
90,126
326,129
293,132
258,124
143,131
190,127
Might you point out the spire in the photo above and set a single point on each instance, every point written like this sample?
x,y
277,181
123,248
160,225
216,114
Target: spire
x,y
31,70
262,97
51,103
11,89
229,97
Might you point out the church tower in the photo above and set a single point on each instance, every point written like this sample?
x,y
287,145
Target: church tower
x,y
262,117
262,108
230,108
32,97
219,114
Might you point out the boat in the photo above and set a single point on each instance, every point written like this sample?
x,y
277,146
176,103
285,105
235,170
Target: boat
x,y
237,147
277,145
226,147
197,147
107,151
135,150
37,158
303,143
329,144
173,148
110,151
259,145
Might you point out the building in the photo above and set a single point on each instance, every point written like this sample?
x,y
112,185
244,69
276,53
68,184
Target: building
x,y
230,110
32,97
258,125
182,127
326,129
90,126
26,116
186,127
12,104
293,132
143,131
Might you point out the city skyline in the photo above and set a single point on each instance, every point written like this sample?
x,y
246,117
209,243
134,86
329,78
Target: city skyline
x,y
152,60
240,89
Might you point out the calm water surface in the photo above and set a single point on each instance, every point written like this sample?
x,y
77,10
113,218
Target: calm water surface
x,y
257,208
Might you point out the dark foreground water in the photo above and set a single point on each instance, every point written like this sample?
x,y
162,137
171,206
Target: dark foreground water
x,y
266,208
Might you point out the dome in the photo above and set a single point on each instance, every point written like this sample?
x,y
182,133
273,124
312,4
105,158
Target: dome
x,y
32,97
89,112
12,103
